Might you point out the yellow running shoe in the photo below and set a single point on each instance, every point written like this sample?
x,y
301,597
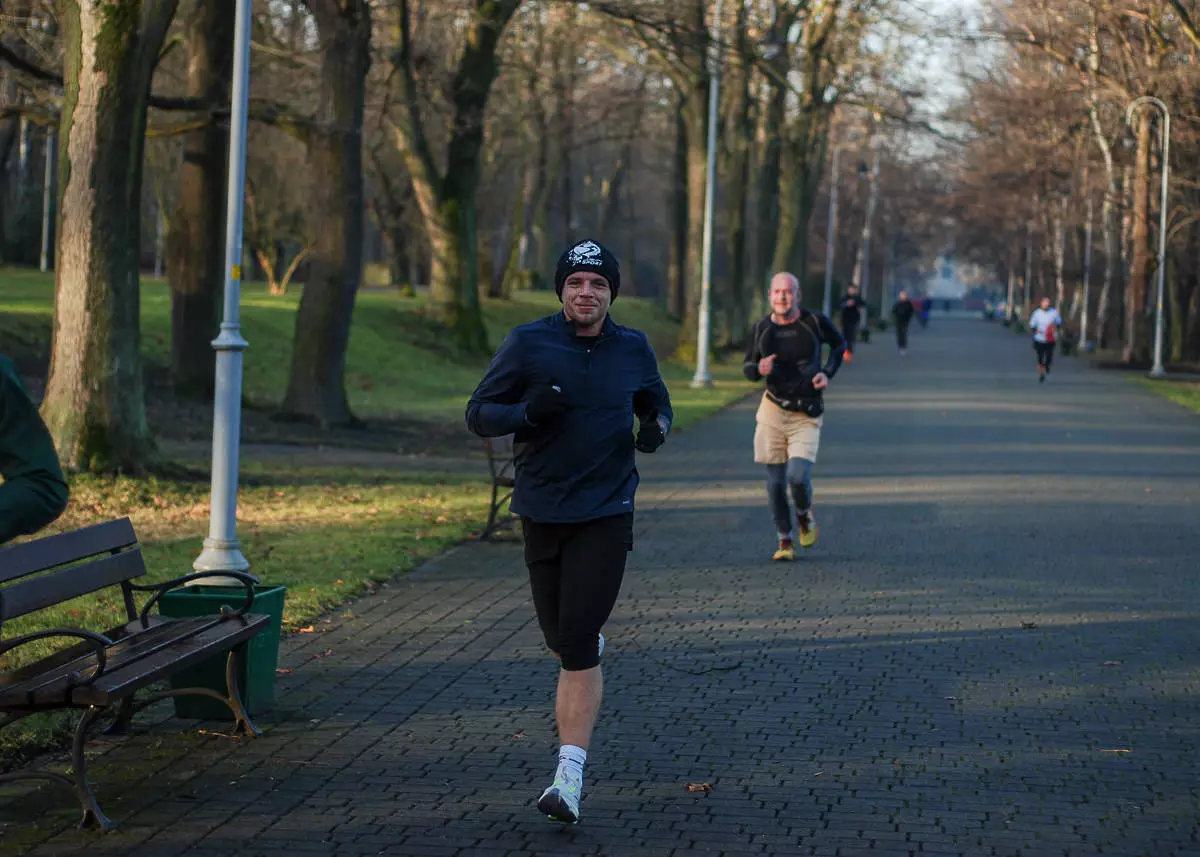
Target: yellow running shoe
x,y
786,552
808,529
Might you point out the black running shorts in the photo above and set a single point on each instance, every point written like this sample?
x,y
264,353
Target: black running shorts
x,y
575,572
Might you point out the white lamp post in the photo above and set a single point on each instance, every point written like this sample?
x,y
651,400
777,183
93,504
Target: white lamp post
x,y
703,378
1157,370
222,550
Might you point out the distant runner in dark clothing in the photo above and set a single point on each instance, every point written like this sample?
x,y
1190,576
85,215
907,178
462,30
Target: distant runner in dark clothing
x,y
850,315
903,312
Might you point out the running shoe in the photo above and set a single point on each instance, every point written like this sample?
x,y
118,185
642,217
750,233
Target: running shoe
x,y
787,551
560,802
808,529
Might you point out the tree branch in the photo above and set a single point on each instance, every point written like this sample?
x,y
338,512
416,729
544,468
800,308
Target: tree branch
x,y
1185,22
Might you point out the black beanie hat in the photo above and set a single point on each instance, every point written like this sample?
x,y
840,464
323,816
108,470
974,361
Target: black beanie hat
x,y
588,256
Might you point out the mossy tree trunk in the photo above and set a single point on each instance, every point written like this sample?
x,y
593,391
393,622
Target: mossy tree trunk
x,y
95,400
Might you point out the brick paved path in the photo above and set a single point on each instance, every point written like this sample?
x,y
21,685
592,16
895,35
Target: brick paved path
x,y
993,650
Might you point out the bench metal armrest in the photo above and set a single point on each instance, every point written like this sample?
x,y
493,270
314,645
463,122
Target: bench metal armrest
x,y
159,589
99,644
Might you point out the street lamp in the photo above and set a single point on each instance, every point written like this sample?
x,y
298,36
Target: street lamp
x,y
47,202
222,551
831,234
702,377
862,267
1087,273
1157,370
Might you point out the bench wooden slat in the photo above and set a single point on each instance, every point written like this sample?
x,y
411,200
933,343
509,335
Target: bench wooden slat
x,y
43,554
220,637
129,642
183,642
48,590
72,658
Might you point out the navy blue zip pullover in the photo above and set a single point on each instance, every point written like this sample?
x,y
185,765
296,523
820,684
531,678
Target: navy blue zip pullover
x,y
579,466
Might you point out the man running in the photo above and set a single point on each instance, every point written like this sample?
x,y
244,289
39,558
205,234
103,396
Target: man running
x,y
850,311
567,387
785,349
34,490
902,314
1045,323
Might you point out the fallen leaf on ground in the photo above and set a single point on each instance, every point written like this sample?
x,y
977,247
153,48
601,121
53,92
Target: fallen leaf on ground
x,y
282,671
324,654
699,787
309,630
518,736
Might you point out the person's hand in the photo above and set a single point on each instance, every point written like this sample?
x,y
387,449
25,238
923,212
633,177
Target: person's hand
x,y
544,404
820,381
650,436
766,365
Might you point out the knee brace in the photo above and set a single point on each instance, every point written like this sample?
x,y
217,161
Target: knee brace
x,y
799,477
579,651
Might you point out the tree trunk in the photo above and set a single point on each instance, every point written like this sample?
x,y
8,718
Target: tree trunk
x,y
770,171
447,201
1059,217
195,244
677,250
95,398
734,305
1135,289
1108,208
9,126
316,387
696,117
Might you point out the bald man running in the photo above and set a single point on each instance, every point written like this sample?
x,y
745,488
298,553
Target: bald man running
x,y
785,349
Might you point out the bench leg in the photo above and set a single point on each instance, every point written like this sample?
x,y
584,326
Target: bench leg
x,y
92,814
242,722
491,521
124,720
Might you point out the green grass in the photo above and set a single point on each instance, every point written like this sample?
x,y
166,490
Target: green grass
x,y
391,338
1186,393
329,534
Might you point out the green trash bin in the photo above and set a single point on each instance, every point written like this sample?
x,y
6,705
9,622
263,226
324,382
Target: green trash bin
x,y
256,663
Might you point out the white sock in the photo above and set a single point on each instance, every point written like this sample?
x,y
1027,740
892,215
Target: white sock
x,y
570,762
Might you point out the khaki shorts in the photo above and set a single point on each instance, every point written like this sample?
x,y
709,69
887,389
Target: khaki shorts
x,y
780,435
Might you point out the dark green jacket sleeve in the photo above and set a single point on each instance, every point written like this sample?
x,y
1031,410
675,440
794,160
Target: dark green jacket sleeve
x,y
34,491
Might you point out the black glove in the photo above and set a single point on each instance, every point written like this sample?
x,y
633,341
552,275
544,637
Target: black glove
x,y
650,436
544,404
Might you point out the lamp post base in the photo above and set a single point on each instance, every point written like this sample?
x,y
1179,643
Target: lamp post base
x,y
221,555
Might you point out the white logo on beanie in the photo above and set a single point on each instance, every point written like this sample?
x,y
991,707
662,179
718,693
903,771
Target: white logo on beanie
x,y
586,253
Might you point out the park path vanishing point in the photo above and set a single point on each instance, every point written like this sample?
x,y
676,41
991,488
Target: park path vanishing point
x,y
994,649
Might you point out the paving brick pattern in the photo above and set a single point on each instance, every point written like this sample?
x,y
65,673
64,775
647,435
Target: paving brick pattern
x,y
994,650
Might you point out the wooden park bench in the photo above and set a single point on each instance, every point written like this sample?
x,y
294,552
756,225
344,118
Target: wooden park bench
x,y
103,670
504,479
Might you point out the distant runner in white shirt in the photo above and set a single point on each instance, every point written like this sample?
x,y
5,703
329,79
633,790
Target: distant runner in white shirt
x,y
1045,324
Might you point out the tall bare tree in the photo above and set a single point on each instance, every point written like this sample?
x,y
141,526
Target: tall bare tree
x,y
316,385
